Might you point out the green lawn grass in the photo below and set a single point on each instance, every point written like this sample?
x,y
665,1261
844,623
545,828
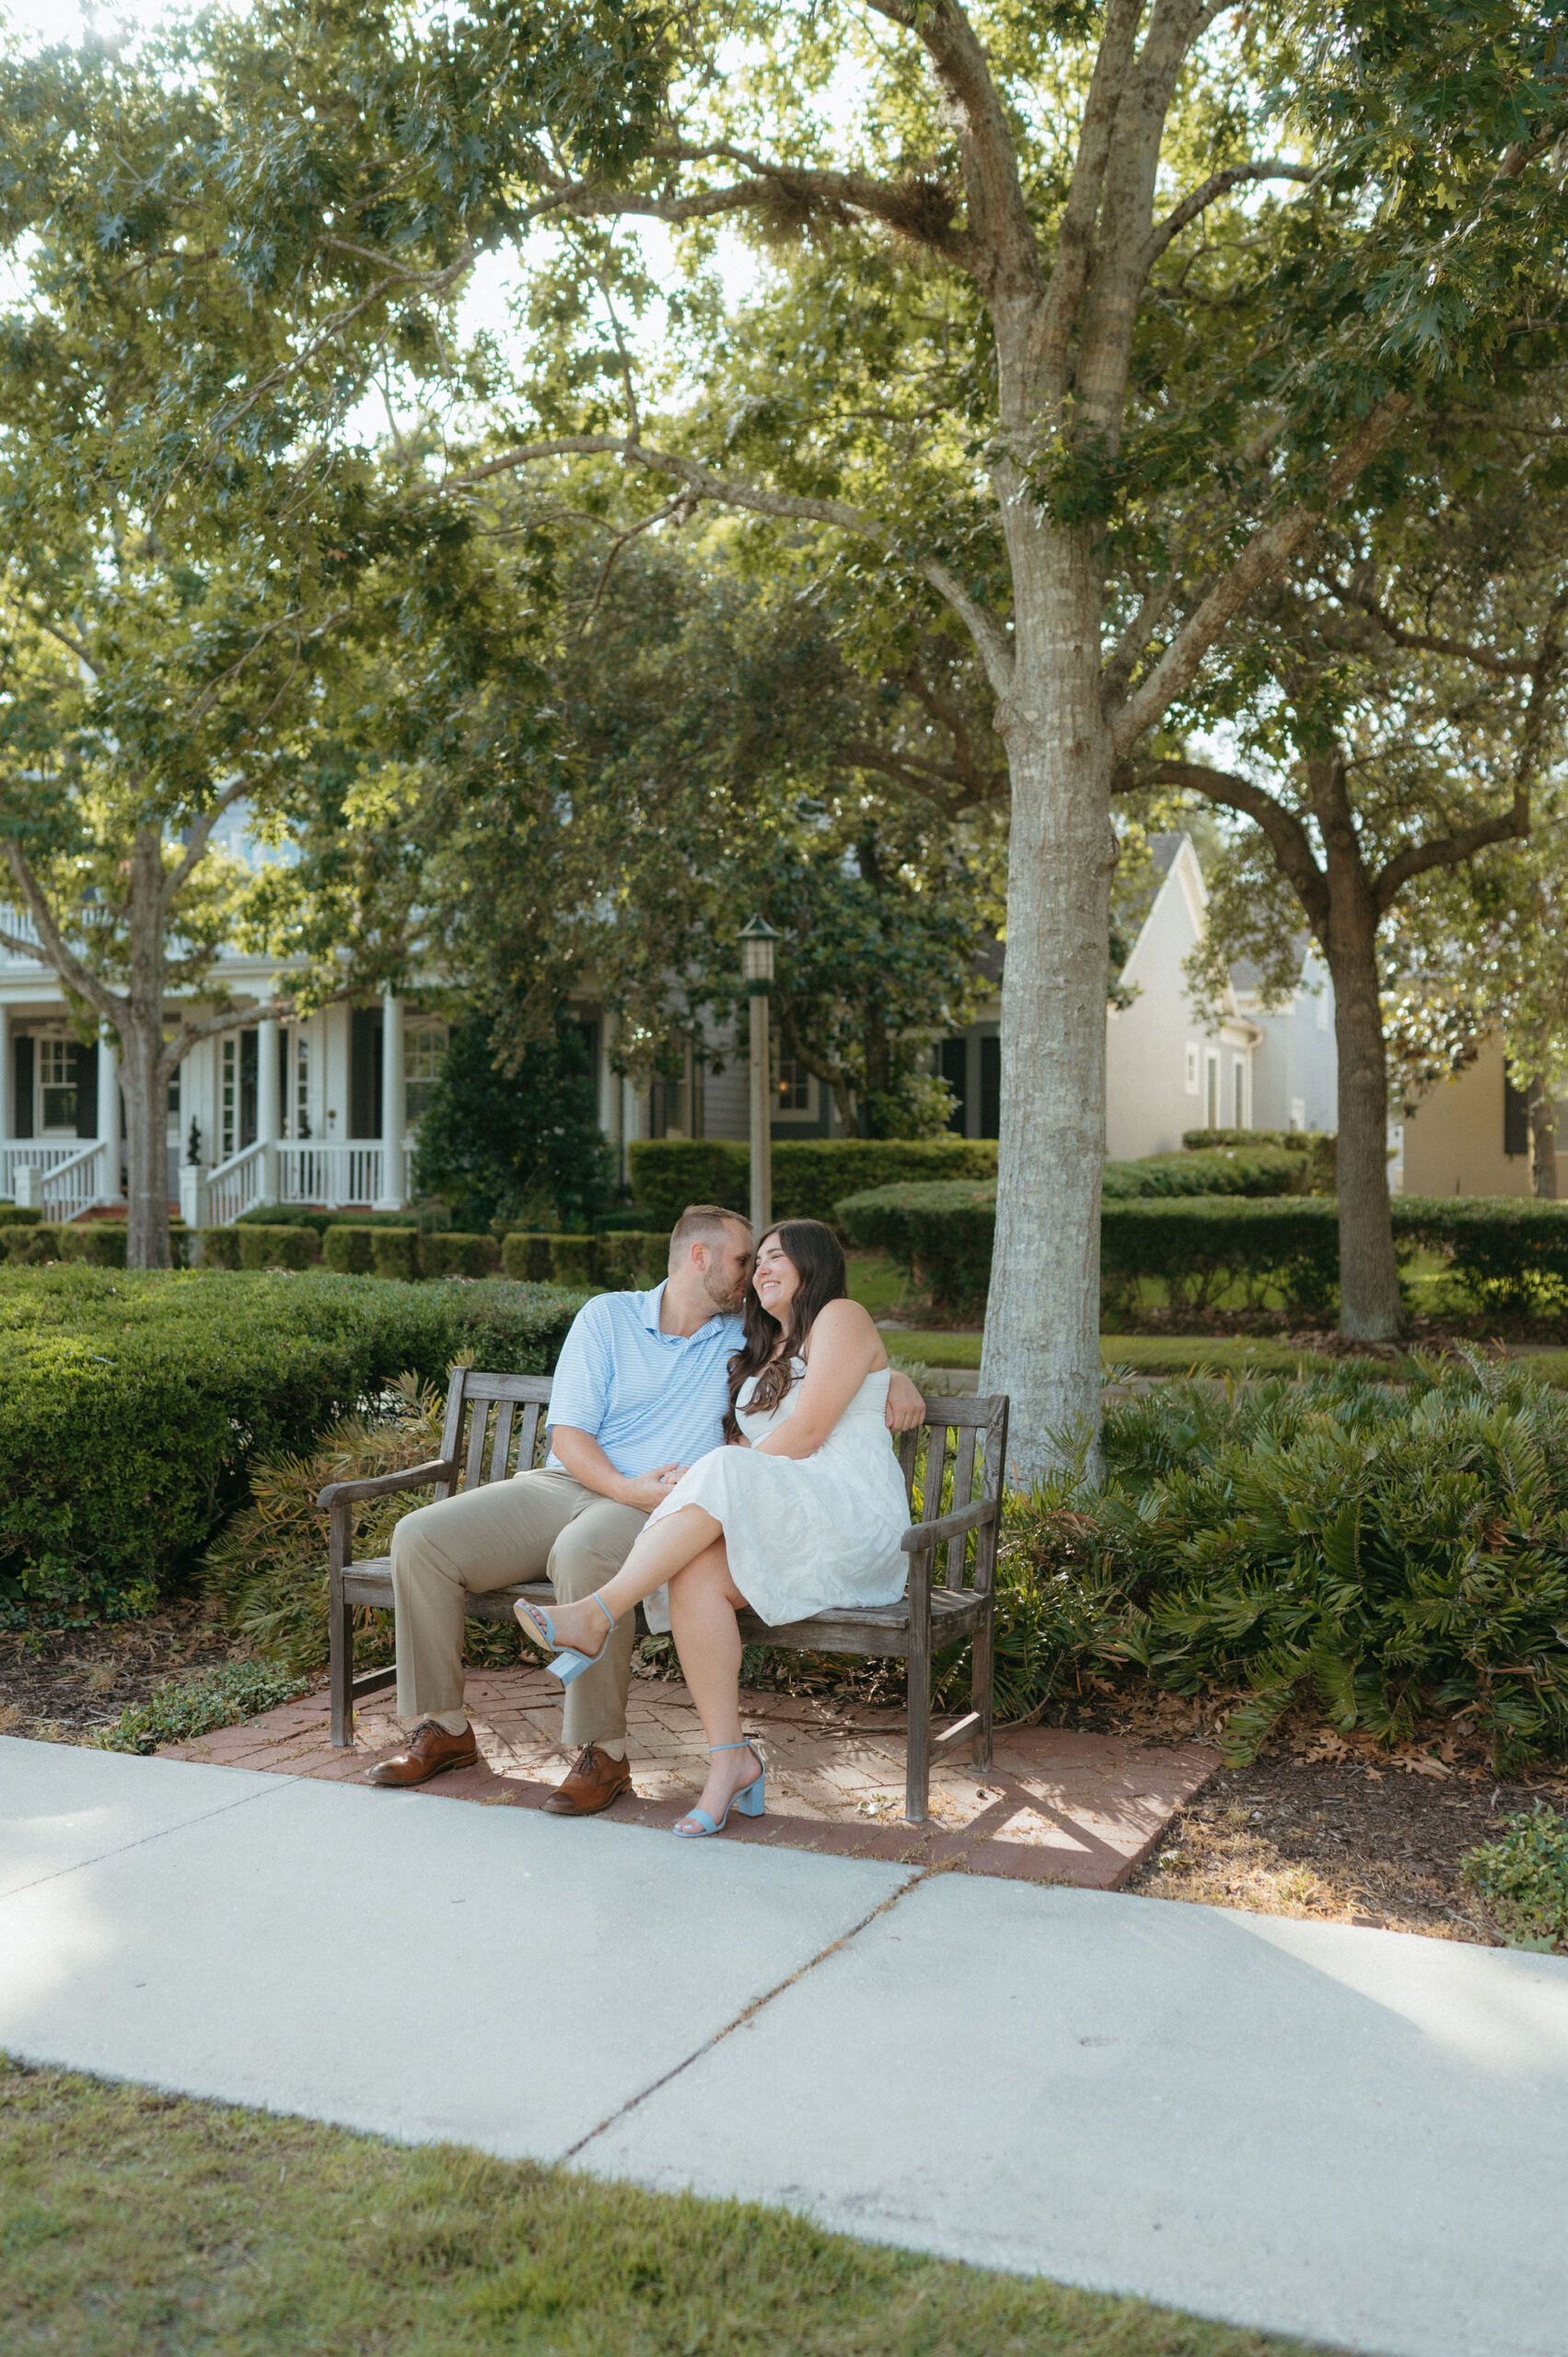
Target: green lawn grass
x,y
134,2221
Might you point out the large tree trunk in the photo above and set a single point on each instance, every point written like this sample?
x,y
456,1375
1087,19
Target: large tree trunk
x,y
1369,1279
1043,1317
1543,1141
141,1072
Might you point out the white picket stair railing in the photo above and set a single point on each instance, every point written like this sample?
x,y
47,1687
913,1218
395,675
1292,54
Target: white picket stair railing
x,y
234,1186
73,1187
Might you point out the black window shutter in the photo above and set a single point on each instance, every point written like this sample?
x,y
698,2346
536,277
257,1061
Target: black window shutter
x,y
955,1055
21,1106
991,1088
1515,1119
87,1091
364,1073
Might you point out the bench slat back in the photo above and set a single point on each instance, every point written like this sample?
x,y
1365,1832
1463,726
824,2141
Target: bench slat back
x,y
506,1411
967,1436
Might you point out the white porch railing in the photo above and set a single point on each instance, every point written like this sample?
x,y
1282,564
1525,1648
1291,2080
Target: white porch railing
x,y
26,1162
327,1174
291,1171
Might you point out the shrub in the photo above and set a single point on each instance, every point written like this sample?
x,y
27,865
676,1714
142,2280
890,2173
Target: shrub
x,y
941,1234
11,1216
347,1249
1204,1247
269,1568
394,1252
1506,1256
631,1258
217,1248
310,1215
1227,1172
526,1258
1522,1880
810,1174
276,1248
182,1709
451,1255
1388,1552
1318,1148
132,1403
571,1259
102,1246
31,1247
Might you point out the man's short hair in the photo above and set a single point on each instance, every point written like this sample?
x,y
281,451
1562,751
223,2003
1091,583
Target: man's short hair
x,y
703,1223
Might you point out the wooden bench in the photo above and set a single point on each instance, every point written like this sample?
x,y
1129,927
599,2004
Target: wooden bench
x,y
494,1427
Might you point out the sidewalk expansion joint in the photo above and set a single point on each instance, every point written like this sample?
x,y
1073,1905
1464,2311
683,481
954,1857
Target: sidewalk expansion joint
x,y
269,1786
748,2013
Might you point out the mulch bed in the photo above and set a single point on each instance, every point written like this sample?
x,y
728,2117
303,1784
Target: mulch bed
x,y
60,1684
1342,1841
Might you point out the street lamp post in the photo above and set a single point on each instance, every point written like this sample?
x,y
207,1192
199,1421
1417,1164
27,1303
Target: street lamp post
x,y
757,941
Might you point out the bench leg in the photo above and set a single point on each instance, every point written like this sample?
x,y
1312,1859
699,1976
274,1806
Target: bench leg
x,y
917,1774
982,1687
340,1616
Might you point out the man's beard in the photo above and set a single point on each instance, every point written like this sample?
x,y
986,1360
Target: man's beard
x,y
726,1297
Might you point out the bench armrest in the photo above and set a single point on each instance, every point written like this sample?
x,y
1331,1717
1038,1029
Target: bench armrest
x,y
924,1535
382,1485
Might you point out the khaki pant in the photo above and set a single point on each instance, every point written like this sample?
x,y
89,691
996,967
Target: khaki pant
x,y
536,1525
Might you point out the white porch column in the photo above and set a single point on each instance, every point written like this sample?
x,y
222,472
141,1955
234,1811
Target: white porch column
x,y
107,1118
267,1108
394,1176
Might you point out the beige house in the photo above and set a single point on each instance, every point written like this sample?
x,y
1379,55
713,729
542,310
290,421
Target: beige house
x,y
1471,1135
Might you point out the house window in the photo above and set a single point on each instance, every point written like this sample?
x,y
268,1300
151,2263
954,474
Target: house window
x,y
1238,1093
57,1085
795,1090
425,1045
1299,1112
228,1099
1193,1063
1212,1090
298,1113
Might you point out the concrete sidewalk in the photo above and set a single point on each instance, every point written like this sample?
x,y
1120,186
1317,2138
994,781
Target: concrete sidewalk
x,y
1354,2136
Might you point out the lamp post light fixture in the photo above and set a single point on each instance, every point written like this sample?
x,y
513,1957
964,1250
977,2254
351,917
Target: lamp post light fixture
x,y
757,941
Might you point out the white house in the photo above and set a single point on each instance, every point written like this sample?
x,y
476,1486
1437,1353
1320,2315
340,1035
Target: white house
x,y
1170,1065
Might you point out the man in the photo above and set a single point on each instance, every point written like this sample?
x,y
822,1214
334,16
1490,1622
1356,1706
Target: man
x,y
640,1392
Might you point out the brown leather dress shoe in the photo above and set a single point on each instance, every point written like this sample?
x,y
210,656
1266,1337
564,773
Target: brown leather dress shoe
x,y
593,1780
430,1753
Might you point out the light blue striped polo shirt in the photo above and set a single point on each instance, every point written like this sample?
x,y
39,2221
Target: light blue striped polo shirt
x,y
648,1398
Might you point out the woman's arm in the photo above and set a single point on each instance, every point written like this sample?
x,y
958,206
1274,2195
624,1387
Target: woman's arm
x,y
845,1348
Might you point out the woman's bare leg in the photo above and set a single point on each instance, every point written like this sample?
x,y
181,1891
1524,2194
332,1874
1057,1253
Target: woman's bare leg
x,y
658,1553
702,1602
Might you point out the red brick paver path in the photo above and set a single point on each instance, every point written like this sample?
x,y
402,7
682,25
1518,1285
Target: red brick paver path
x,y
1056,1807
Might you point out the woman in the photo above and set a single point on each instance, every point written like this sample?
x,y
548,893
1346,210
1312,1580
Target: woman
x,y
802,1510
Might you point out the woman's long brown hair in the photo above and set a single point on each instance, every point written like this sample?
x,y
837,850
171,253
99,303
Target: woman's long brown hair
x,y
813,1251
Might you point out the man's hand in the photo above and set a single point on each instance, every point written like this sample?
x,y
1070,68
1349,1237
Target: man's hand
x,y
647,1490
905,1406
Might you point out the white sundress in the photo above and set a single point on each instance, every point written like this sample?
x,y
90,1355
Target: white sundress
x,y
803,1534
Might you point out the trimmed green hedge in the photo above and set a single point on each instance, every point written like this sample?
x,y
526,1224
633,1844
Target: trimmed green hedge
x,y
1506,1256
618,1262
32,1244
1320,1149
10,1216
277,1247
810,1174
1227,1171
130,1404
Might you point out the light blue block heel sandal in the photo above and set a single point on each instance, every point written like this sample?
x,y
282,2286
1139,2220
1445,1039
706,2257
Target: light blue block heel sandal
x,y
568,1663
749,1800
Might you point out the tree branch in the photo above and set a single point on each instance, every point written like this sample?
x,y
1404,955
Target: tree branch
x,y
1448,850
1264,557
51,942
1505,666
990,637
1288,839
1209,193
196,848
